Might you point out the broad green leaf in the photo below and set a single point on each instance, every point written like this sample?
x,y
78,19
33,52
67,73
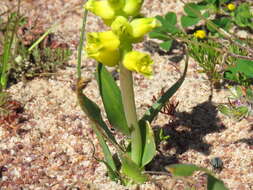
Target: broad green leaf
x,y
168,24
185,170
173,29
158,35
243,15
171,17
187,21
152,112
221,22
215,184
131,170
92,110
192,9
245,66
112,100
166,45
149,149
241,72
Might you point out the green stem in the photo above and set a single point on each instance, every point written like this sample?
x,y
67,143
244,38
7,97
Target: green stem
x,y
80,47
126,86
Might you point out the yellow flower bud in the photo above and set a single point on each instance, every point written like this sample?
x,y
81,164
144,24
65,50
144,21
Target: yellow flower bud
x,y
142,26
138,62
103,47
231,7
201,34
132,7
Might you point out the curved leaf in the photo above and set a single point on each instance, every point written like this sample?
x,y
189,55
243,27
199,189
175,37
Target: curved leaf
x,y
149,149
109,162
112,100
91,109
130,169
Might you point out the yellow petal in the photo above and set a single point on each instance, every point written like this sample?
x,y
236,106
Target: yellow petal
x,y
100,8
103,47
121,26
201,34
231,7
138,62
142,26
132,7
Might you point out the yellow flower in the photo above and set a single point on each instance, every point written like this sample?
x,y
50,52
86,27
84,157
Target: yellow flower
x,y
231,6
101,8
103,47
201,34
142,26
138,62
121,27
132,7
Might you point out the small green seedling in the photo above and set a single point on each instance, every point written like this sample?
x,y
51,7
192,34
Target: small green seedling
x,y
240,103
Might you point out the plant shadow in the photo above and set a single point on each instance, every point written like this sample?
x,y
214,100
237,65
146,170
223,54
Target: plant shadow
x,y
176,52
248,141
187,131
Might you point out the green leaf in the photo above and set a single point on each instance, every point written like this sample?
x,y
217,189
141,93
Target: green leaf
x,y
171,17
249,95
149,149
241,72
225,110
166,45
168,24
112,100
152,112
109,162
185,170
221,22
156,33
245,66
192,9
131,170
214,183
243,15
92,110
187,21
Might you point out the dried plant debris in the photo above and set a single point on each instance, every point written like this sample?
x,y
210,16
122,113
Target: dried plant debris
x,y
170,107
11,114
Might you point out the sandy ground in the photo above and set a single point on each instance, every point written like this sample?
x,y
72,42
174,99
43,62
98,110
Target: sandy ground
x,y
51,149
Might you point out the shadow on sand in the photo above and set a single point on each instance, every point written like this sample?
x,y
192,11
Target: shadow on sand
x,y
187,131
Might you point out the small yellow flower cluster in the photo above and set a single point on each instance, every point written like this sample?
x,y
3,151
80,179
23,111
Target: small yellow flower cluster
x,y
201,34
231,6
106,47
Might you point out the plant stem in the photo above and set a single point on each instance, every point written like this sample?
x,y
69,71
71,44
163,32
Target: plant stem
x,y
126,86
80,47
